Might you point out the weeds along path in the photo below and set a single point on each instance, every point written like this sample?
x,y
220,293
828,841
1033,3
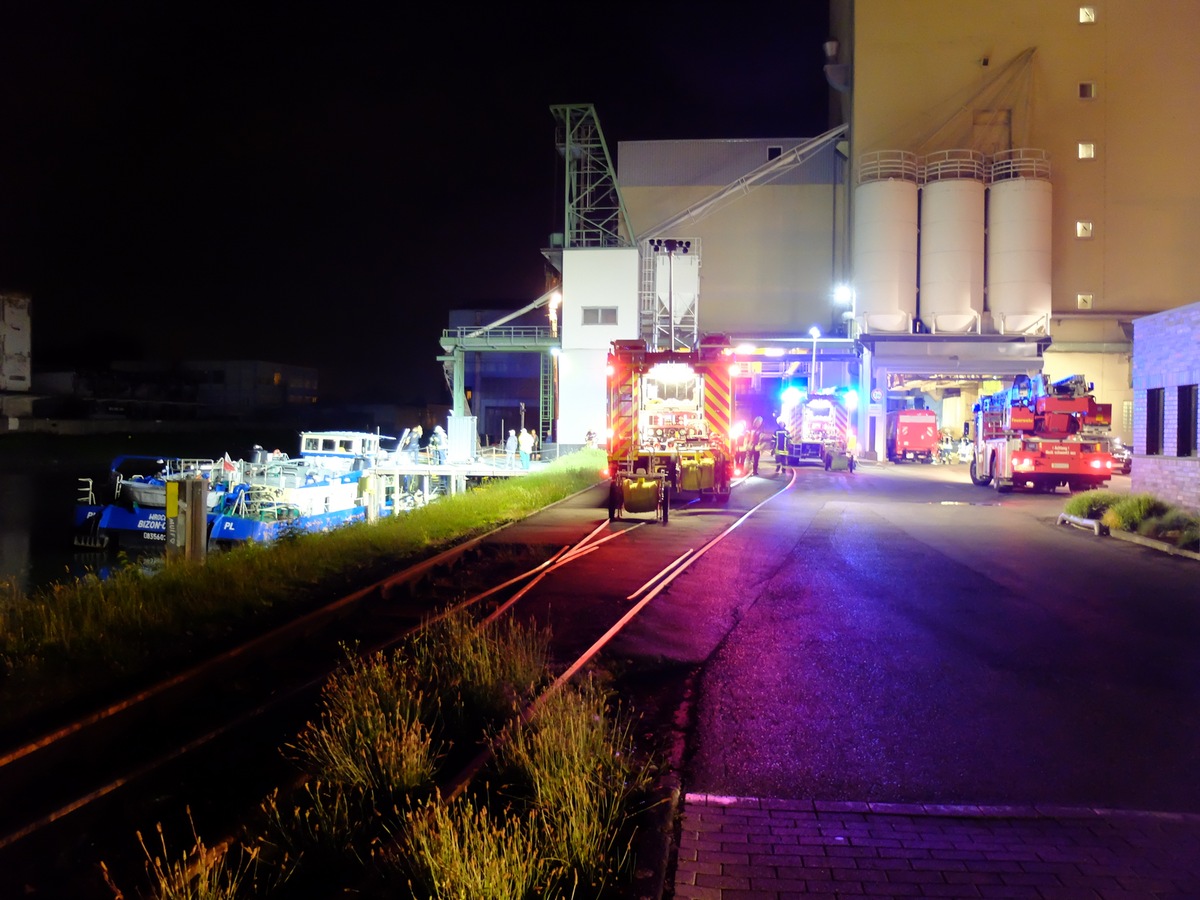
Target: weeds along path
x,y
203,749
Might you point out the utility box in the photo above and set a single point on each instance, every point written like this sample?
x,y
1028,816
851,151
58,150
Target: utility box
x,y
16,343
462,439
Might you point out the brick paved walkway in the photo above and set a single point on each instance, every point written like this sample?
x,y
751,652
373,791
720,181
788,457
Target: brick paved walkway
x,y
735,848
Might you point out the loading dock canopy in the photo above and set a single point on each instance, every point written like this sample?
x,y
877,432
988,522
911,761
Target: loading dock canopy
x,y
951,355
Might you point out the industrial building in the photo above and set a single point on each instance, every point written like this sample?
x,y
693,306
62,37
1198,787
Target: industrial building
x,y
1004,189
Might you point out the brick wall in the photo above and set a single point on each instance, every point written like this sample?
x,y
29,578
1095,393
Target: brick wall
x,y
1166,354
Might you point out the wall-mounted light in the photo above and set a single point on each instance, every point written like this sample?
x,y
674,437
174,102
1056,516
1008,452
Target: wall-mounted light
x,y
838,75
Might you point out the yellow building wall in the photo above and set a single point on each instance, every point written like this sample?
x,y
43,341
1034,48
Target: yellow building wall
x,y
916,63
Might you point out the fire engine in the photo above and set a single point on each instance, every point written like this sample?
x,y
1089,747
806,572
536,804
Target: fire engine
x,y
912,434
1040,434
815,430
670,418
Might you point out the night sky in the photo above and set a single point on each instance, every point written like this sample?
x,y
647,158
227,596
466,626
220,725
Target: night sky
x,y
318,184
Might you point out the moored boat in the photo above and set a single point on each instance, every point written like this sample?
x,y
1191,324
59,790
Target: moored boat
x,y
247,500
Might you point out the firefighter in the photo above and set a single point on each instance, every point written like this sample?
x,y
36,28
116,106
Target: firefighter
x,y
437,446
766,444
754,444
525,445
740,436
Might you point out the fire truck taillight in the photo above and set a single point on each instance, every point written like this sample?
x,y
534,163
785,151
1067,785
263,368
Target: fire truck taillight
x,y
1101,464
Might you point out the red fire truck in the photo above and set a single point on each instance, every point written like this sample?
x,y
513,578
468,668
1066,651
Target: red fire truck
x,y
670,418
912,435
1038,435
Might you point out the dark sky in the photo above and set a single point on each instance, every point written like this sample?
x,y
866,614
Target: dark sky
x,y
317,183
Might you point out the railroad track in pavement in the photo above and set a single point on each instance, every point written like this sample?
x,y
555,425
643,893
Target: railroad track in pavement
x,y
204,744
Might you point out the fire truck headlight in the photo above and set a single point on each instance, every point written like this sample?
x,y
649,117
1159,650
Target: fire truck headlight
x,y
1022,464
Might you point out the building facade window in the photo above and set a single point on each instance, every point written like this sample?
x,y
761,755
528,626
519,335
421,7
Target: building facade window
x,y
1087,150
1087,15
1083,229
1185,440
1087,90
599,315
1154,422
1083,301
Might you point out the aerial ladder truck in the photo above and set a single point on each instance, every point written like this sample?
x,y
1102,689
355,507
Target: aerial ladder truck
x,y
1039,435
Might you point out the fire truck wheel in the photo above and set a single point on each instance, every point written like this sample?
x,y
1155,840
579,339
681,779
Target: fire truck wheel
x,y
666,503
614,500
1000,488
975,479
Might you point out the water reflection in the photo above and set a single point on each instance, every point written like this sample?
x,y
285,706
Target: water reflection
x,y
35,529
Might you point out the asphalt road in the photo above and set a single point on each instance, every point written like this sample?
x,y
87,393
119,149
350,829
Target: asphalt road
x,y
901,635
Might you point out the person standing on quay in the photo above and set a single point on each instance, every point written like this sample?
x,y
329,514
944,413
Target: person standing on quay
x,y
510,449
525,444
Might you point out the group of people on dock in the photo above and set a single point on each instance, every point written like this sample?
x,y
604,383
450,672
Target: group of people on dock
x,y
522,444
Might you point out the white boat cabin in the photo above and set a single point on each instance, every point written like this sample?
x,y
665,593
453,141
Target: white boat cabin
x,y
340,449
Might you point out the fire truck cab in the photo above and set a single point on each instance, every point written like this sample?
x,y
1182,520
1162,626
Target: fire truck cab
x,y
1039,435
670,415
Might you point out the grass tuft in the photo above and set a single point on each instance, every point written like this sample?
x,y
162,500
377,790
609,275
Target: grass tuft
x,y
577,763
201,873
373,733
459,850
480,673
1129,511
1091,504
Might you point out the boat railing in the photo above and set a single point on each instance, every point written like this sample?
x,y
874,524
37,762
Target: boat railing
x,y
196,466
87,491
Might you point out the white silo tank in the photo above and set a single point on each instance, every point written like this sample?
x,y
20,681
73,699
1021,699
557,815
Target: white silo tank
x,y
885,242
952,241
1018,241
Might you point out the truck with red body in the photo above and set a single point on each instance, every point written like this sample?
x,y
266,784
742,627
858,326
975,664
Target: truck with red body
x,y
670,424
912,435
1039,435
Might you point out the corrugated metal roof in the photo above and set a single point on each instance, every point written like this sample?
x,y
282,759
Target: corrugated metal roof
x,y
715,163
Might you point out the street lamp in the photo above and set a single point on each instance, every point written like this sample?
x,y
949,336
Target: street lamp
x,y
843,295
815,332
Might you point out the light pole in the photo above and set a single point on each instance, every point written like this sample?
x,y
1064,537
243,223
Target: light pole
x,y
816,333
843,295
670,245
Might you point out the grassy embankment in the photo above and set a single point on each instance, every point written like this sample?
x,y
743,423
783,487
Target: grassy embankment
x,y
94,636
554,815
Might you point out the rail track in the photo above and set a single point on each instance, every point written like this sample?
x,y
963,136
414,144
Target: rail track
x,y
201,749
